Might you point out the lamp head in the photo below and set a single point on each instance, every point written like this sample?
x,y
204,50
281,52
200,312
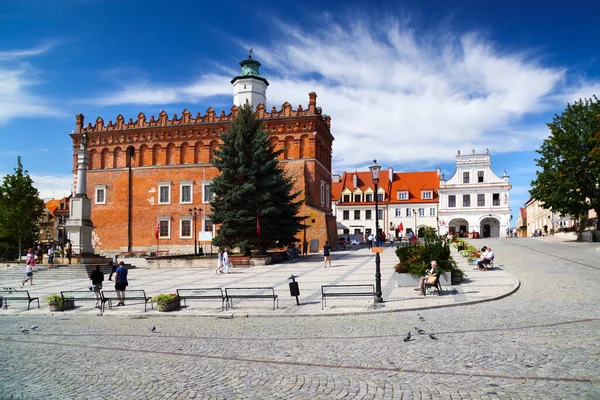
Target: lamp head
x,y
375,170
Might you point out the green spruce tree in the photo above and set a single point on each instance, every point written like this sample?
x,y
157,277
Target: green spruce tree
x,y
20,208
252,182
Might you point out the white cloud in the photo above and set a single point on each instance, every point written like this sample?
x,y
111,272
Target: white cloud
x,y
17,78
52,186
409,94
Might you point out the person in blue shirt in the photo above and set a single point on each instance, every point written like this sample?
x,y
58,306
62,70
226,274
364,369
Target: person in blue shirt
x,y
121,283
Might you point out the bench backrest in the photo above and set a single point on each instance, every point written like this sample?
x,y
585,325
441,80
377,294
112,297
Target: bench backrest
x,y
129,294
332,289
15,294
256,291
79,294
200,292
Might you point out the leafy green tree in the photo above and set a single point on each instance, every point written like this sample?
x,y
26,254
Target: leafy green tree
x,y
568,181
251,182
20,208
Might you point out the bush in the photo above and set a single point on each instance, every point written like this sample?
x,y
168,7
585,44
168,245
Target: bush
x,y
163,298
415,259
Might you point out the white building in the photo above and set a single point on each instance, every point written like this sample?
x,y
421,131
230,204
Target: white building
x,y
474,199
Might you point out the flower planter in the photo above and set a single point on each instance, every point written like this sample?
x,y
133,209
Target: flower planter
x,y
168,305
69,304
456,277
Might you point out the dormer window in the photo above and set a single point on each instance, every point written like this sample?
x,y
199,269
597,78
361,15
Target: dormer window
x,y
346,198
357,198
426,194
403,195
368,198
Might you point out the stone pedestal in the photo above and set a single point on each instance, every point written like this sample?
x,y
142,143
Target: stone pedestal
x,y
79,226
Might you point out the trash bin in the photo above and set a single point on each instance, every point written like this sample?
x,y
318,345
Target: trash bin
x,y
294,288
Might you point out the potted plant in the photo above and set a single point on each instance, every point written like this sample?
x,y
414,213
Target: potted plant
x,y
55,302
166,302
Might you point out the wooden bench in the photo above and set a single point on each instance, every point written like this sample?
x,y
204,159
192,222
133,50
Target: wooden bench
x,y
81,295
136,295
250,293
346,291
20,295
239,261
201,294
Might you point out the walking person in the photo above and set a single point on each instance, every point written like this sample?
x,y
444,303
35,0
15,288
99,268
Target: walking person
x,y
51,257
30,263
226,262
370,241
305,247
114,264
219,262
121,283
327,254
97,278
69,250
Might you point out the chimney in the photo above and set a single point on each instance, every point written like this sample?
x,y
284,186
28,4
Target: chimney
x,y
391,172
355,180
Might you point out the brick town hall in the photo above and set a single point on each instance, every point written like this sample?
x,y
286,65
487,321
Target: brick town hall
x,y
150,172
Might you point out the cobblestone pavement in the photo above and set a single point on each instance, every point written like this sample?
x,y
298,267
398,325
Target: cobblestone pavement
x,y
539,343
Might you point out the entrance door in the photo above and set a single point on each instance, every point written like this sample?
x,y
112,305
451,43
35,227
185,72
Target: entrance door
x,y
463,231
486,231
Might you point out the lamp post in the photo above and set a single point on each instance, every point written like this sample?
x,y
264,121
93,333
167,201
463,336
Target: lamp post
x,y
375,170
195,212
415,215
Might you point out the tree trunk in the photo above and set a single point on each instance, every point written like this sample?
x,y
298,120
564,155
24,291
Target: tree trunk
x,y
20,250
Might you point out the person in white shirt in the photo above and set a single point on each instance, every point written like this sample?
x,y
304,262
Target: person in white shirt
x,y
225,262
486,258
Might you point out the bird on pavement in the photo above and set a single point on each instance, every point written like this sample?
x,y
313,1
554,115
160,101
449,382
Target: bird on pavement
x,y
24,330
421,317
407,338
431,335
419,330
153,329
33,327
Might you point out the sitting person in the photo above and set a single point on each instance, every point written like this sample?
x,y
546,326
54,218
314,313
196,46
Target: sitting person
x,y
486,258
433,271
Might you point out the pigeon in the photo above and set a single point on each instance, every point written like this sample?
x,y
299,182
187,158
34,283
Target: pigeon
x,y
421,317
153,329
24,330
419,330
407,338
431,335
33,327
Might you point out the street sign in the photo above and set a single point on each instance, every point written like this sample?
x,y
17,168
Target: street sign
x,y
377,250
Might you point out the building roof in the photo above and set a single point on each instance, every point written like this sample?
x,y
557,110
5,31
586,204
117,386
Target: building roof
x,y
413,182
52,205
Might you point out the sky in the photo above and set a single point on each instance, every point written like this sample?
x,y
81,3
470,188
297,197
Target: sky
x,y
406,82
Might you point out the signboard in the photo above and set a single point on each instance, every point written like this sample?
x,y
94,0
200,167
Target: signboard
x,y
205,237
377,250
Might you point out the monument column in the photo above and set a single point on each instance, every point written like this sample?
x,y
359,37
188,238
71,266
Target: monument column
x,y
79,226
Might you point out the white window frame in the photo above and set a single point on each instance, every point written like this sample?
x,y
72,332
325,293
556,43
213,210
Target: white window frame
x,y
168,221
344,215
100,188
187,219
327,195
380,214
189,184
402,195
205,220
359,213
162,185
421,212
398,212
409,212
426,194
212,194
322,192
432,212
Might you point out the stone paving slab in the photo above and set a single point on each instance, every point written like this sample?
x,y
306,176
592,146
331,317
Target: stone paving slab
x,y
348,267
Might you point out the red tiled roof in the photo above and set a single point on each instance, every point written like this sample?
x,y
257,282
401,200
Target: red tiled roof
x,y
413,182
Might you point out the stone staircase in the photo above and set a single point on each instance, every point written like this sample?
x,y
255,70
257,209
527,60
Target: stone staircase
x,y
16,273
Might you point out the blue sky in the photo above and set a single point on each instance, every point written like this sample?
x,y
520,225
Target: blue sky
x,y
406,82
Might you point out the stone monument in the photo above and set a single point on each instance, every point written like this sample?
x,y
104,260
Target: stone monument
x,y
79,226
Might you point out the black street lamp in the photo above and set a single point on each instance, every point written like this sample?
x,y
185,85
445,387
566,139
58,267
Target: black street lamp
x,y
375,170
195,212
